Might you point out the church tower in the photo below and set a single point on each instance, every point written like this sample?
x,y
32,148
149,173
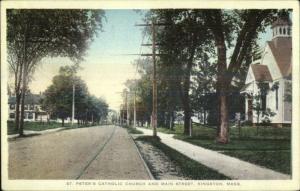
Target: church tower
x,y
282,26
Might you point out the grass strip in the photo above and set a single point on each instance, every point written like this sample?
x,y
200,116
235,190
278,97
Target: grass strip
x,y
276,160
270,153
189,167
134,131
41,126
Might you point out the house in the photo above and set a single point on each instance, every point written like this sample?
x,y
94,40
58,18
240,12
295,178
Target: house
x,y
268,80
32,108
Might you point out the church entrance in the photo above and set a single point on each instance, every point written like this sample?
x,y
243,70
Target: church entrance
x,y
250,109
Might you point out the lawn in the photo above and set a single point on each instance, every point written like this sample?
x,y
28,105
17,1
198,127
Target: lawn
x,y
189,167
270,148
39,126
134,131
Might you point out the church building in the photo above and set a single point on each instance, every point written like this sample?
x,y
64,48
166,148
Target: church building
x,y
268,83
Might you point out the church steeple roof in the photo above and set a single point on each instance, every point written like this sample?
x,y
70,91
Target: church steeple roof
x,y
282,26
282,20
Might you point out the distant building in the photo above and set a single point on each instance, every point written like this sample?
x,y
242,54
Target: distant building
x,y
32,108
274,68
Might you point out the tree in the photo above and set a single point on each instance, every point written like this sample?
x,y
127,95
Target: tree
x,y
57,99
96,110
35,34
181,43
203,90
168,96
259,105
246,24
58,96
143,89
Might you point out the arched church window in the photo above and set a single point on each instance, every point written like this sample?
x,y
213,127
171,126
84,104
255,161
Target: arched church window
x,y
280,30
283,30
289,31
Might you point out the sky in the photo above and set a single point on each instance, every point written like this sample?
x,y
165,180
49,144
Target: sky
x,y
106,68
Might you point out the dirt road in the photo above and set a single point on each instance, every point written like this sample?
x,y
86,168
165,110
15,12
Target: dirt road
x,y
104,152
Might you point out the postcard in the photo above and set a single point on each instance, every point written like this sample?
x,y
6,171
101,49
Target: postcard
x,y
150,95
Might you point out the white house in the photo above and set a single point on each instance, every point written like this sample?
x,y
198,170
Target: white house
x,y
32,108
274,70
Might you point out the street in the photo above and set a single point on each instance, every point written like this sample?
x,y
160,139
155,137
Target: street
x,y
103,152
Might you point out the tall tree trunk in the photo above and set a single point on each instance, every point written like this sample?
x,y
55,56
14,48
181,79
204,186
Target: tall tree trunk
x,y
21,122
186,96
184,93
23,94
187,118
214,18
167,120
170,121
17,116
24,82
172,118
222,89
204,117
18,80
223,129
63,122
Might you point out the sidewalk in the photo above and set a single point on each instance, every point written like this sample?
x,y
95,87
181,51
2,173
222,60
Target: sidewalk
x,y
229,166
27,132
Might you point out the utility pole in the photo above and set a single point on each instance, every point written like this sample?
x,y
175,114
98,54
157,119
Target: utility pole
x,y
154,82
73,104
119,118
191,121
154,102
134,111
127,108
122,115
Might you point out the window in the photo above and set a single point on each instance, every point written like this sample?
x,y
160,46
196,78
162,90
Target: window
x,y
280,30
288,30
283,30
263,102
12,106
276,97
31,107
12,115
26,107
30,115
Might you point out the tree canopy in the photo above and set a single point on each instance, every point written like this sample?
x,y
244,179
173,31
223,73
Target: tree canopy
x,y
204,55
57,99
33,34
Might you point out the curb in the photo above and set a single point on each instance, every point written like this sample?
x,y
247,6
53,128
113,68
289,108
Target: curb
x,y
144,163
36,133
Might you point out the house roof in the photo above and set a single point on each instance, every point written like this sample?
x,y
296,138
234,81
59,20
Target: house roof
x,y
261,72
29,99
281,48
